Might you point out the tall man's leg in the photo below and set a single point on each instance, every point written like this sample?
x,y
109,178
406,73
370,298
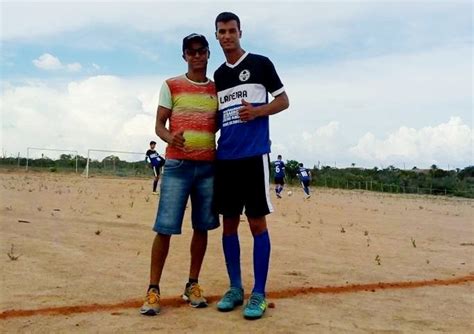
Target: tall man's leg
x,y
231,245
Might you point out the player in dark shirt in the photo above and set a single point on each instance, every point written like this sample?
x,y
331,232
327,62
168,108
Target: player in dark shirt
x,y
156,162
279,176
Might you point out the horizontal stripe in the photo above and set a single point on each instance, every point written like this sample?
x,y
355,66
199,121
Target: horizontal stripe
x,y
200,102
195,122
201,155
182,85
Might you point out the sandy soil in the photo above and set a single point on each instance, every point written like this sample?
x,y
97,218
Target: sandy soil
x,y
86,243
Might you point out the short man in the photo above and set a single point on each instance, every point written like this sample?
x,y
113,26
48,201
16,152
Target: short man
x,y
156,161
189,103
279,166
242,169
304,174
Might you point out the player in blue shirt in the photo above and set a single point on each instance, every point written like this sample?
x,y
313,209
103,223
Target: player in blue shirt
x,y
243,84
156,162
304,175
279,166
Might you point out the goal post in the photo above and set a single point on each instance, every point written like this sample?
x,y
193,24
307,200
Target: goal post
x,y
28,149
112,164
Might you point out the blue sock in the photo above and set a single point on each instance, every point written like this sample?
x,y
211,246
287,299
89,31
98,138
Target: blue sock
x,y
261,259
231,246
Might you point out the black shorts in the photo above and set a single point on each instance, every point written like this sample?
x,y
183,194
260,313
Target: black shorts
x,y
279,180
156,170
243,183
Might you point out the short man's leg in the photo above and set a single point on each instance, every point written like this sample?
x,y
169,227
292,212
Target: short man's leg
x,y
193,292
198,250
159,252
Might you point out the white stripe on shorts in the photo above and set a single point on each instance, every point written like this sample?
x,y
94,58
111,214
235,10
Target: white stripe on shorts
x,y
266,179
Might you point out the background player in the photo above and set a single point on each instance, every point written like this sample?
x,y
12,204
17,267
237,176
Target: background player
x,y
304,174
279,179
155,161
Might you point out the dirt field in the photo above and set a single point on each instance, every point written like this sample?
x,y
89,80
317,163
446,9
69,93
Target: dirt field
x,y
84,251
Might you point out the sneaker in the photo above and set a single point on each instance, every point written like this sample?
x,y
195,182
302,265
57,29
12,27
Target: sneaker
x,y
151,306
193,295
278,195
255,307
307,196
154,193
232,298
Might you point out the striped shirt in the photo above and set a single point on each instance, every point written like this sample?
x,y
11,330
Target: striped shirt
x,y
193,108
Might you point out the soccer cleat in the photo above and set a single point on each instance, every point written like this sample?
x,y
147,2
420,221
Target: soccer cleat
x,y
151,306
307,196
256,306
193,295
232,298
278,195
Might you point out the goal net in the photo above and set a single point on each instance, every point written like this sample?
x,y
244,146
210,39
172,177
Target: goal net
x,y
116,163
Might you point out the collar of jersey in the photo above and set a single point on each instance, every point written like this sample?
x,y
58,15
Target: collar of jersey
x,y
238,61
195,82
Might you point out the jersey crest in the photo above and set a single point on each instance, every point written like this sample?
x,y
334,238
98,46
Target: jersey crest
x,y
244,75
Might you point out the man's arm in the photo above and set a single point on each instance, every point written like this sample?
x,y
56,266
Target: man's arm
x,y
173,139
248,112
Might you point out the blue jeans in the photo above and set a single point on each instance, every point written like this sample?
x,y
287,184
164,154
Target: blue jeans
x,y
181,179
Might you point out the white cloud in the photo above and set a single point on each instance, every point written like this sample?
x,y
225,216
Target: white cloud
x,y
103,112
446,143
49,62
74,67
369,98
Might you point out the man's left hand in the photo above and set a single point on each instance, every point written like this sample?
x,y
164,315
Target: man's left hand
x,y
247,112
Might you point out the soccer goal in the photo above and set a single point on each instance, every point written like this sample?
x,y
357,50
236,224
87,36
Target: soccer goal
x,y
64,161
115,163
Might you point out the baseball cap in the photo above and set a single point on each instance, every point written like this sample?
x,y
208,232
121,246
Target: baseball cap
x,y
194,38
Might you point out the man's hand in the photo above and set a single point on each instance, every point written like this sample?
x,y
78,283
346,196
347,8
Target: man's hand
x,y
177,139
247,112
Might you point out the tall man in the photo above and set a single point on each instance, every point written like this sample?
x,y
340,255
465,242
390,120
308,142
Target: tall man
x,y
242,169
189,103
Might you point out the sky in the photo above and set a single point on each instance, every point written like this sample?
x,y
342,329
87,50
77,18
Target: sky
x,y
370,83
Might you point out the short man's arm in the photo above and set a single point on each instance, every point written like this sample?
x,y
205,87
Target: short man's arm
x,y
173,139
248,112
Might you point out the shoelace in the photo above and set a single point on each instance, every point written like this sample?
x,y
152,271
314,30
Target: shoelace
x,y
254,301
196,290
152,297
230,295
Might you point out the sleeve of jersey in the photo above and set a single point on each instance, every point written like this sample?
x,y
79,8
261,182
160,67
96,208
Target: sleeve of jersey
x,y
272,81
165,97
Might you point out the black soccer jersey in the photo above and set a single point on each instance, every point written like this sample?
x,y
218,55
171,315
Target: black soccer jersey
x,y
155,158
251,78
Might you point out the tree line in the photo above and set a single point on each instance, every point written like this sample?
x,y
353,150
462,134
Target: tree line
x,y
435,181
